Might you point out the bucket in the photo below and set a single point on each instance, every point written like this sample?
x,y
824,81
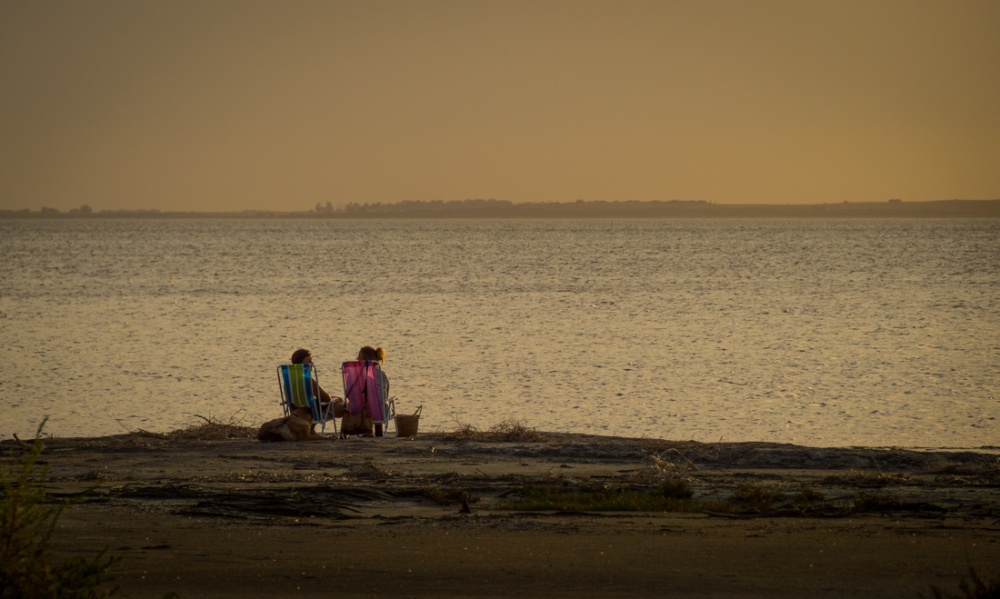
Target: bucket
x,y
406,426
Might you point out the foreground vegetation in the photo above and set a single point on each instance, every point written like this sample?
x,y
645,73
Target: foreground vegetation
x,y
972,588
564,473
27,570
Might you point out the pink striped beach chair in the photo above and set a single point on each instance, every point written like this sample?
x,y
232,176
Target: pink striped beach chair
x,y
366,388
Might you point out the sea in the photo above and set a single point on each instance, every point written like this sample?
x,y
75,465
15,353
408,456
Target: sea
x,y
817,332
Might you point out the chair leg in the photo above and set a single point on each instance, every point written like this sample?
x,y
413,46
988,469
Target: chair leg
x,y
392,416
328,417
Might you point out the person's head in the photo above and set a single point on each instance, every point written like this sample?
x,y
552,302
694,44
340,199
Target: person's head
x,y
302,356
372,353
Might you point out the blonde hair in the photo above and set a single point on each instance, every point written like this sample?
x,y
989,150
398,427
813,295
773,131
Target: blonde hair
x,y
371,353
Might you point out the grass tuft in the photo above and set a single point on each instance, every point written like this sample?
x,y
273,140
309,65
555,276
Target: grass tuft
x,y
513,430
807,496
877,501
676,488
449,496
508,431
758,497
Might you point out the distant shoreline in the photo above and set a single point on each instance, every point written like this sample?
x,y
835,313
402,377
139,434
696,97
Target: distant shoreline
x,y
494,209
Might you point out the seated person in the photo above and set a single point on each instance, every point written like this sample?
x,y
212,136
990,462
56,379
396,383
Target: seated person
x,y
302,356
373,354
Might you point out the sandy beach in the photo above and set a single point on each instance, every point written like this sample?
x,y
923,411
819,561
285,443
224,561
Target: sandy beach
x,y
223,515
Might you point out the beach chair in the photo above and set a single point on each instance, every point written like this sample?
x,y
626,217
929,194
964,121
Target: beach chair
x,y
366,388
300,388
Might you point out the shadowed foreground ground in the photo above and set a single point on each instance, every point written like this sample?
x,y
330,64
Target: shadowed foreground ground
x,y
421,517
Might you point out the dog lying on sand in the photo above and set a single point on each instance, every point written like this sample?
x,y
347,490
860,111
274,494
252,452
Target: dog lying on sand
x,y
297,427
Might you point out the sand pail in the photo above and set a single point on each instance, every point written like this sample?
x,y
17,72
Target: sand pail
x,y
406,426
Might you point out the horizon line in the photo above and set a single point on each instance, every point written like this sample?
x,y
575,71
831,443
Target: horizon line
x,y
479,204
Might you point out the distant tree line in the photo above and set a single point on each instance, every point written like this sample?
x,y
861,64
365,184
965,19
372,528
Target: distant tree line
x,y
492,208
430,208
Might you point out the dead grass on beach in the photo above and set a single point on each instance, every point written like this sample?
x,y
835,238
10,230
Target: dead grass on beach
x,y
210,429
508,430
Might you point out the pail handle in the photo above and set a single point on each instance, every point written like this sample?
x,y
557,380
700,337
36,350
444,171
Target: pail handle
x,y
417,413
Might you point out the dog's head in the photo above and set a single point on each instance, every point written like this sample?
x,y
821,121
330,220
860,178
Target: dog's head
x,y
303,412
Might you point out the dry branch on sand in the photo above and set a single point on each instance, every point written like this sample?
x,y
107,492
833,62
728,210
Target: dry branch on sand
x,y
210,429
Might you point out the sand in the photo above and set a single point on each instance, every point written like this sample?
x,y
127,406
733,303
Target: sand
x,y
423,517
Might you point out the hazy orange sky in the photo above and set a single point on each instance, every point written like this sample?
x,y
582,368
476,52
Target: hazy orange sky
x,y
277,105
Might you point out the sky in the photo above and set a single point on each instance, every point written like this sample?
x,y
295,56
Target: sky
x,y
231,105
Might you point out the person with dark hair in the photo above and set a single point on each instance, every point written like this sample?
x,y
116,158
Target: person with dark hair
x,y
303,356
299,356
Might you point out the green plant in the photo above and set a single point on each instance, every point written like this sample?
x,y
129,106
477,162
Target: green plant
x,y
676,488
807,495
877,501
864,479
597,500
759,497
27,570
448,496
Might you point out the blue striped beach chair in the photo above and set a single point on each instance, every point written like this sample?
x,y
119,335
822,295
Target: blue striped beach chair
x,y
300,388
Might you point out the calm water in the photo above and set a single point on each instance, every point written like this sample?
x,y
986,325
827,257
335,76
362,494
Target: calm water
x,y
817,332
